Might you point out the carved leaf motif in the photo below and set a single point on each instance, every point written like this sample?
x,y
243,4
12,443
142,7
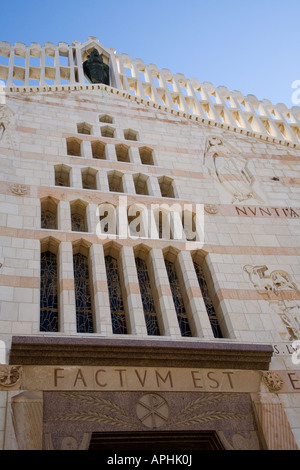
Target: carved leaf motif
x,y
204,416
96,400
209,416
92,416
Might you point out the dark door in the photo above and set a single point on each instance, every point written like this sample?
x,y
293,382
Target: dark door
x,y
156,441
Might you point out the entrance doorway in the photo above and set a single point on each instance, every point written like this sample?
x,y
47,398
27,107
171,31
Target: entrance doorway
x,y
156,441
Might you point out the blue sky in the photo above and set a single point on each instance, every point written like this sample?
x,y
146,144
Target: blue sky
x,y
252,46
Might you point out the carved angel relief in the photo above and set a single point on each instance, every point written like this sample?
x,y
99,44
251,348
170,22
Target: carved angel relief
x,y
271,288
230,170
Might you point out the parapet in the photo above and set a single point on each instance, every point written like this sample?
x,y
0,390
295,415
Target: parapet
x,y
54,66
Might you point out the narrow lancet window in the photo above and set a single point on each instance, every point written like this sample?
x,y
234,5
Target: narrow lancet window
x,y
147,298
117,309
49,293
84,307
178,300
208,302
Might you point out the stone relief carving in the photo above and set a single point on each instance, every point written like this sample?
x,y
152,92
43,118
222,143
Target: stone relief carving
x,y
19,189
211,208
230,170
241,441
7,119
273,381
152,411
2,129
270,287
10,376
68,442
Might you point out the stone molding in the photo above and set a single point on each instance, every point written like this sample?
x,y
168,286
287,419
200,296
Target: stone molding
x,y
92,351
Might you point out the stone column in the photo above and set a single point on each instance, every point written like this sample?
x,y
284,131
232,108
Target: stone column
x,y
198,318
86,149
92,218
272,422
129,277
75,178
64,216
101,297
27,417
102,181
128,184
67,295
134,155
153,186
110,152
163,295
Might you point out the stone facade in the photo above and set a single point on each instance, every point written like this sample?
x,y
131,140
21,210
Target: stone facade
x,y
71,150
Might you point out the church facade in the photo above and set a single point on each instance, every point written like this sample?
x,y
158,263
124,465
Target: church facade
x,y
150,248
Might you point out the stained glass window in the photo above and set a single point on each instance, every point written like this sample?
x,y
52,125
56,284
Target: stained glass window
x,y
147,298
78,223
115,296
48,220
84,309
48,293
178,300
208,302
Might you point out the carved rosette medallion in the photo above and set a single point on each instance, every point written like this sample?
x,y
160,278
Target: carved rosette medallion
x,y
211,208
10,376
273,381
152,410
19,189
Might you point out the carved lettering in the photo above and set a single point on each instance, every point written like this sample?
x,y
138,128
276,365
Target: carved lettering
x,y
141,380
267,211
121,376
56,376
209,376
80,376
96,378
293,380
229,378
168,376
196,379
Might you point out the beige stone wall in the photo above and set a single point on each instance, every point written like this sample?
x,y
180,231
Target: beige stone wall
x,y
261,231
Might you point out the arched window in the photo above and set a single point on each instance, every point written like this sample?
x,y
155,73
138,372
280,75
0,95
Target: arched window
x,y
84,307
49,214
140,184
78,217
147,298
166,186
49,292
62,175
146,155
208,302
73,147
117,309
178,300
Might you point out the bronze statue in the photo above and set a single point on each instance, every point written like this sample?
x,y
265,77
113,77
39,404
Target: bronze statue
x,y
95,69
